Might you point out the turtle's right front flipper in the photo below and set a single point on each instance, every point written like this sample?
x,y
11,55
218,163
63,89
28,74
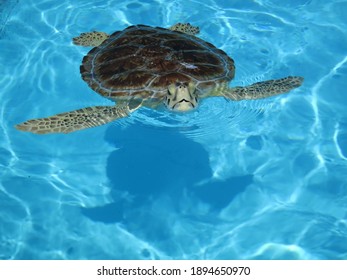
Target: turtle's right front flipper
x,y
78,119
264,89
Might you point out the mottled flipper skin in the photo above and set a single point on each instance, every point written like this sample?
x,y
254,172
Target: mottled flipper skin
x,y
77,120
95,38
186,28
90,39
263,89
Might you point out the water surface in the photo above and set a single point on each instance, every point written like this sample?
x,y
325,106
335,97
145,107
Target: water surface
x,y
249,180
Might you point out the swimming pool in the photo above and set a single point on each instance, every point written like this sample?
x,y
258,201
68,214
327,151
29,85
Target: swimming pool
x,y
261,179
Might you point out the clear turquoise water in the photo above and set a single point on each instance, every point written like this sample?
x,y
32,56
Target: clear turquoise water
x,y
250,180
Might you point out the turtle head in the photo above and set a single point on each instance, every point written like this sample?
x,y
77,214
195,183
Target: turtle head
x,y
181,97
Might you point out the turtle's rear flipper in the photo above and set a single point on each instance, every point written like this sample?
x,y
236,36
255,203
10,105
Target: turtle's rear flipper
x,y
264,89
90,39
186,28
76,120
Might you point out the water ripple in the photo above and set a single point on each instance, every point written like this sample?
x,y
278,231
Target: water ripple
x,y
291,148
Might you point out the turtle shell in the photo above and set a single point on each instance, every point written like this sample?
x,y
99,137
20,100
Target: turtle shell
x,y
142,61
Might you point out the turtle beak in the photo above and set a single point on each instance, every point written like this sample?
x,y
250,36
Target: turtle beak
x,y
183,106
181,97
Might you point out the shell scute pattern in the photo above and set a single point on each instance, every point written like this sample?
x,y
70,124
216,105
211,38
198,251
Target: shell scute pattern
x,y
169,79
143,61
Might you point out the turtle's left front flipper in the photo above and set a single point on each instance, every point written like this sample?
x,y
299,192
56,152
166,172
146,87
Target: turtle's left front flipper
x,y
79,119
264,89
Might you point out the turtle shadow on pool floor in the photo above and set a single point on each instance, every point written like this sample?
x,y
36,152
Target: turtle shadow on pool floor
x,y
157,164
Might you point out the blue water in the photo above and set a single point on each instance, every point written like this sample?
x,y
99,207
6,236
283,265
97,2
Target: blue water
x,y
260,179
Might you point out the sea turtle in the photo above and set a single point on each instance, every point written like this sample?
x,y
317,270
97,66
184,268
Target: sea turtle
x,y
152,66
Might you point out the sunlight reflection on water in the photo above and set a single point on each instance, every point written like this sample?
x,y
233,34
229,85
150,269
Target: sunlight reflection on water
x,y
276,167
